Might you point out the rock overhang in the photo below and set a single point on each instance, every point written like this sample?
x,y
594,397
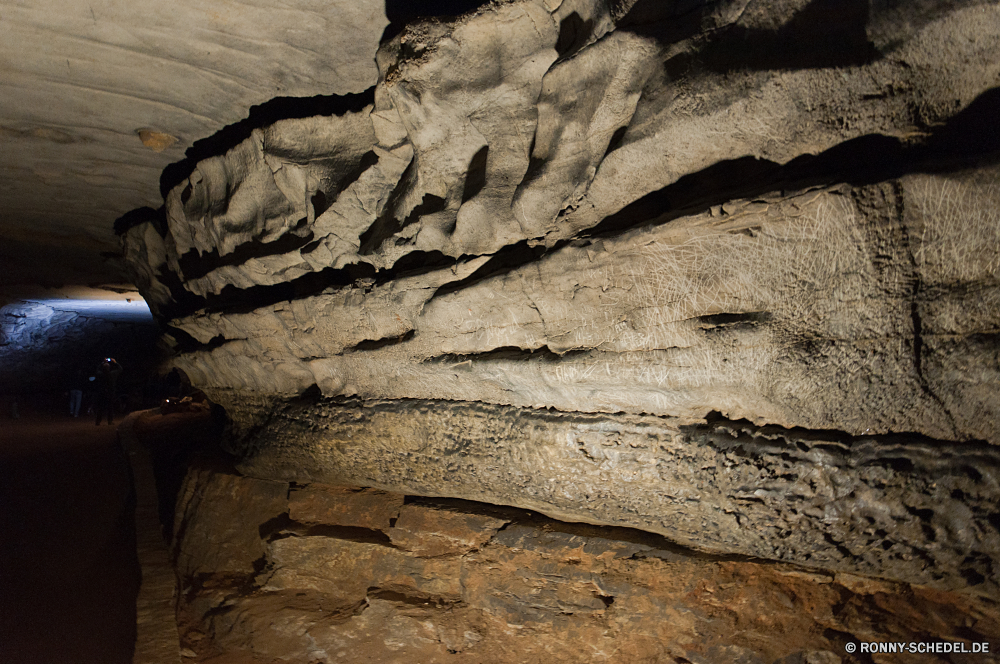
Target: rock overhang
x,y
604,212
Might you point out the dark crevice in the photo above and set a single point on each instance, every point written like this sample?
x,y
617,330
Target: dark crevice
x,y
749,318
368,160
515,353
311,393
187,343
475,177
922,514
974,577
616,141
288,528
536,167
574,32
751,440
319,202
386,224
236,300
375,344
667,21
994,520
548,532
261,115
133,218
899,464
415,263
275,525
410,599
195,265
843,550
401,12
244,300
825,33
505,260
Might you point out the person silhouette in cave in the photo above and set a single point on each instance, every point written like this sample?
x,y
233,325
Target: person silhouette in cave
x,y
107,377
76,386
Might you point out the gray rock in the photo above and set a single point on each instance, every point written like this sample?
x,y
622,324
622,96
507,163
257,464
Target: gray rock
x,y
728,272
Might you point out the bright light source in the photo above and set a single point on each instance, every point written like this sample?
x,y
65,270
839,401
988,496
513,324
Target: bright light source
x,y
112,301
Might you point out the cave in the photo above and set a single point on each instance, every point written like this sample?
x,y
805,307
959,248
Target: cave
x,y
552,331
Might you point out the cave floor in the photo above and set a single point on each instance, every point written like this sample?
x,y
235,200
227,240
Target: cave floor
x,y
69,574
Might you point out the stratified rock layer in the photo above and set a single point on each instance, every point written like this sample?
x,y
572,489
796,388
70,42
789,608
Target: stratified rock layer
x,y
728,272
456,581
903,507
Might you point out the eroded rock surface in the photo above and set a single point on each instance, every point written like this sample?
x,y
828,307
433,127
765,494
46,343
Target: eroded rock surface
x,y
901,506
522,588
727,272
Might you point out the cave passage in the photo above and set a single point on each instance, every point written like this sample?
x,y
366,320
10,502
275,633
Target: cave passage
x,y
69,574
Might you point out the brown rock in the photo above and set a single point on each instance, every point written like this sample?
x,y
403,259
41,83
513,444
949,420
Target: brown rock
x,y
429,532
539,590
324,505
347,570
219,517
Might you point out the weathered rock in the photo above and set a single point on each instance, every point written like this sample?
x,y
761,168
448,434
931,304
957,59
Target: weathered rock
x,y
802,312
219,518
543,590
430,533
344,506
346,569
896,506
728,272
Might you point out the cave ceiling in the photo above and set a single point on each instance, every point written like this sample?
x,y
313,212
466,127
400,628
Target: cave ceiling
x,y
96,98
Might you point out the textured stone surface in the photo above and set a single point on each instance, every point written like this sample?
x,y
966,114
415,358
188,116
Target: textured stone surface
x,y
728,272
219,516
543,590
340,506
76,116
800,312
430,533
897,506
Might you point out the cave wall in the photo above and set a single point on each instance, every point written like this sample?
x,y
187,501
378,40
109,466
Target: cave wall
x,y
276,572
726,272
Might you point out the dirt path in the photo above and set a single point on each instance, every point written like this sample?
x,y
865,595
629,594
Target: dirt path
x,y
68,568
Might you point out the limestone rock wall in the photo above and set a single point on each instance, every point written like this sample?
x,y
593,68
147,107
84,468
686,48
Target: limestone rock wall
x,y
728,272
272,572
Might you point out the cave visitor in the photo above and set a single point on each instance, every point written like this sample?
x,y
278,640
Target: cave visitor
x,y
172,384
107,377
76,392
